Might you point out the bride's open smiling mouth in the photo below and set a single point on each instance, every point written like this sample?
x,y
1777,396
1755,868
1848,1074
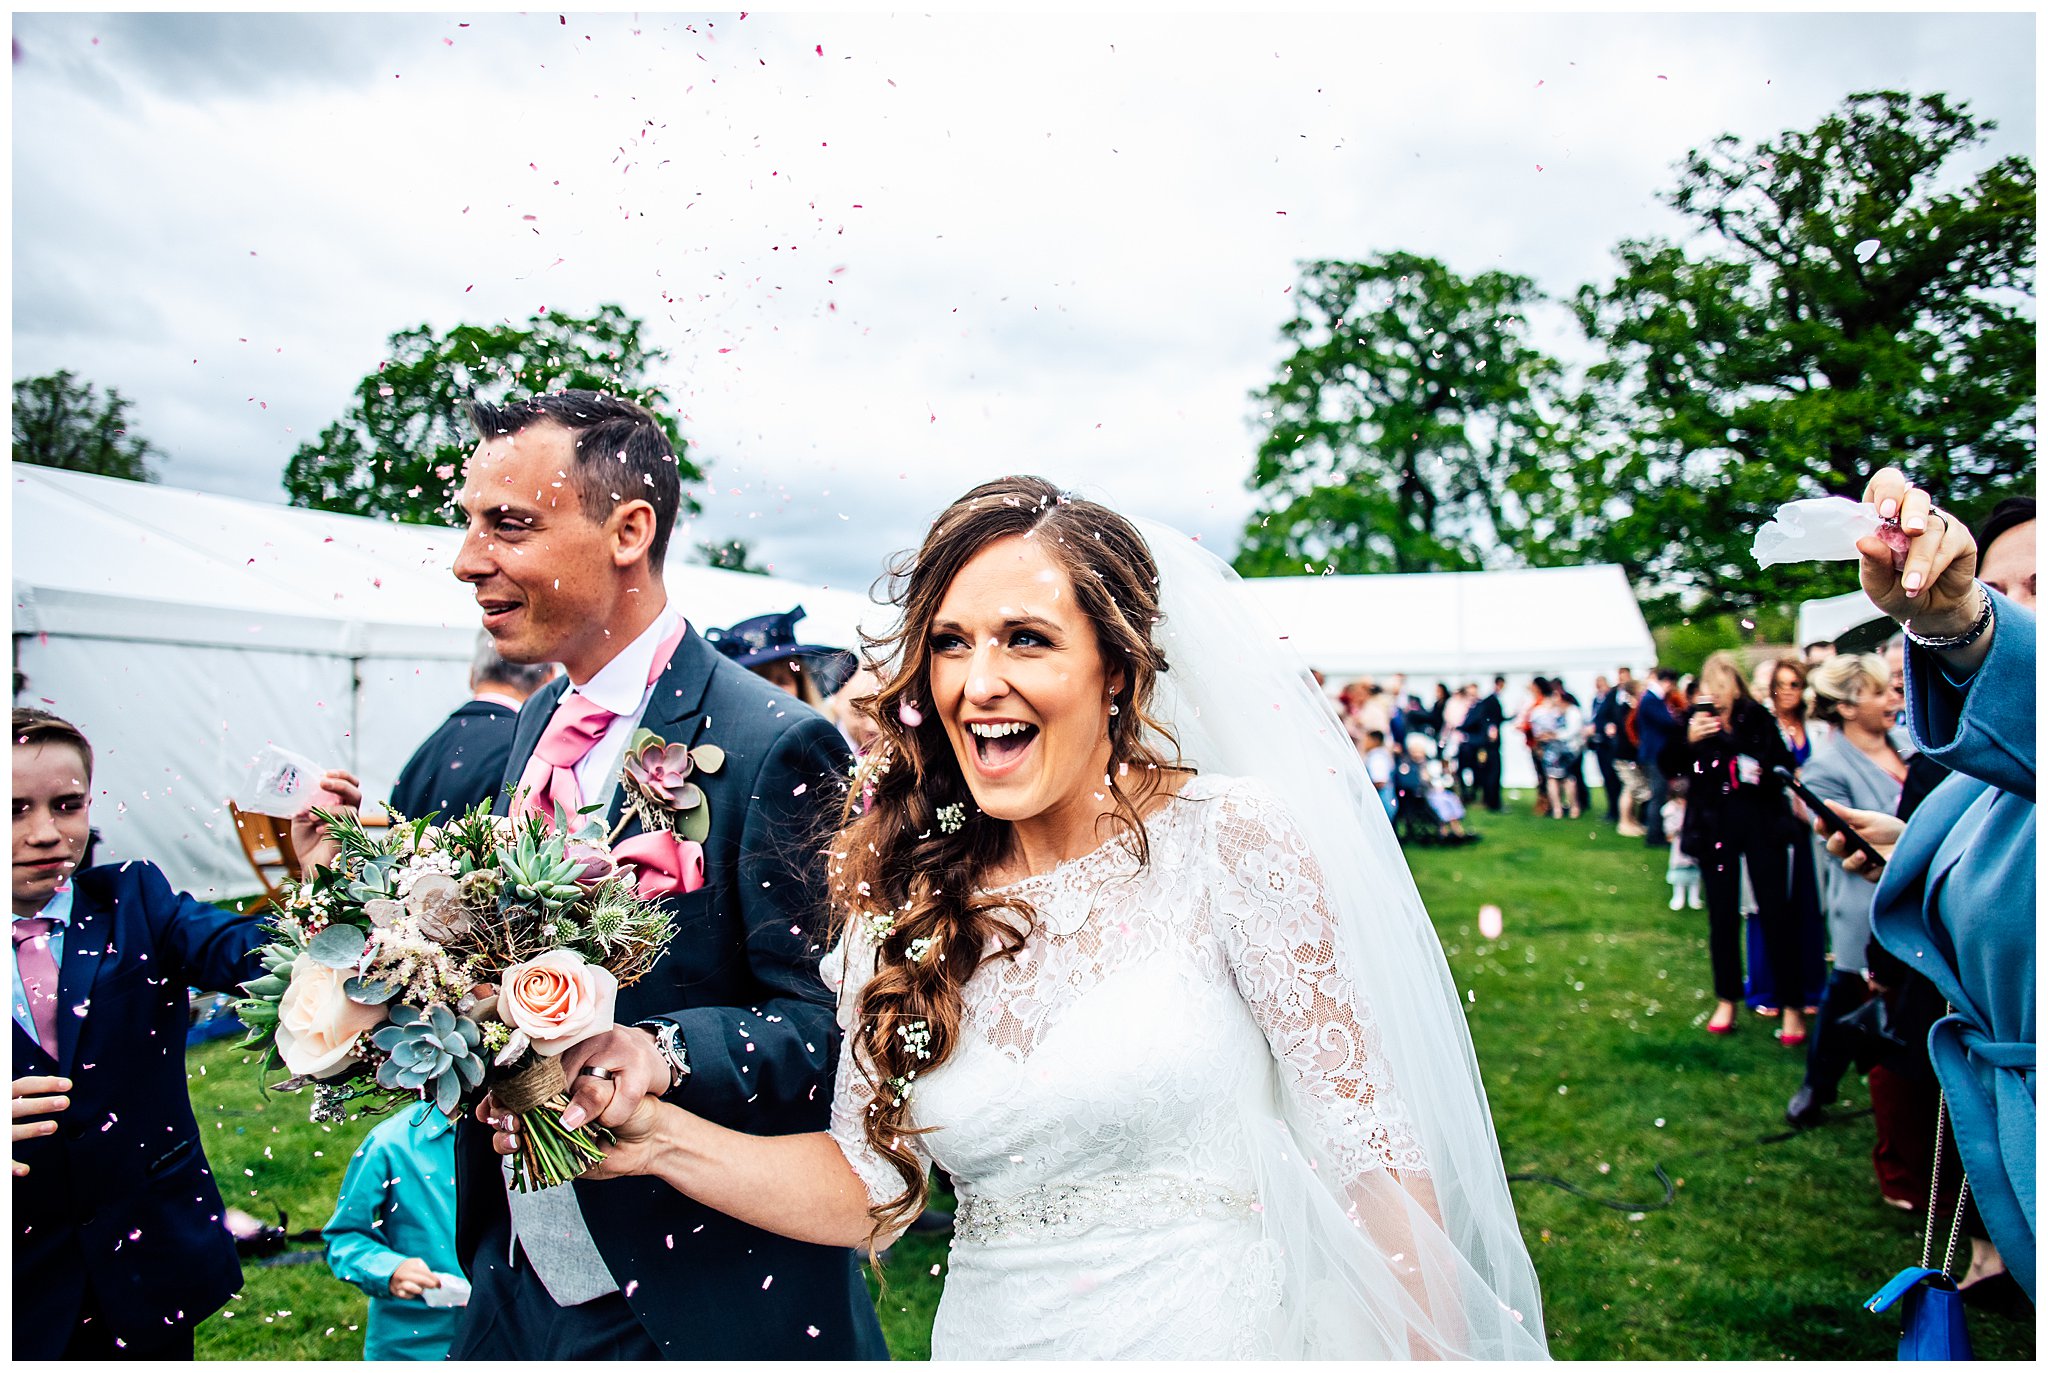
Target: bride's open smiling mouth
x,y
999,747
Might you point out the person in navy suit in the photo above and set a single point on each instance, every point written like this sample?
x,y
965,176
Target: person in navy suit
x,y
1655,728
570,499
119,1245
1483,736
463,761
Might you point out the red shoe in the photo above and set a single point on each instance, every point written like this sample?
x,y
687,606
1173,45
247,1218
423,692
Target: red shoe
x,y
1792,1041
1714,1029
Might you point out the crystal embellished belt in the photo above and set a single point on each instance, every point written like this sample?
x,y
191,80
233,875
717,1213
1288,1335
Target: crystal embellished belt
x,y
1124,1200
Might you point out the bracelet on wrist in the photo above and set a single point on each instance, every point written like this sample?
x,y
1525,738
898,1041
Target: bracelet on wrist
x,y
1950,643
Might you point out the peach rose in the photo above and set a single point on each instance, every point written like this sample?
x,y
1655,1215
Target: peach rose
x,y
316,1022
557,1000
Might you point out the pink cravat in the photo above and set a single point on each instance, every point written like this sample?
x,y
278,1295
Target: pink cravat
x,y
38,977
549,778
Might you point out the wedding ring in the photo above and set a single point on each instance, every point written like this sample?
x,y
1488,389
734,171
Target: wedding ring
x,y
592,1070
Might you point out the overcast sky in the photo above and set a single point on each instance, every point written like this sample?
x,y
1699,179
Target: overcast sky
x,y
890,256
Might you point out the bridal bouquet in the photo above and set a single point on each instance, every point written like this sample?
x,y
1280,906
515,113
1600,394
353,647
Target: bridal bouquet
x,y
437,962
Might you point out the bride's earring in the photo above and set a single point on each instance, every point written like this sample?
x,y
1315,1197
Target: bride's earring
x,y
1112,701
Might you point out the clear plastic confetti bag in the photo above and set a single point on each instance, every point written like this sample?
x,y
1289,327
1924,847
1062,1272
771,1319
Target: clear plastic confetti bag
x,y
281,783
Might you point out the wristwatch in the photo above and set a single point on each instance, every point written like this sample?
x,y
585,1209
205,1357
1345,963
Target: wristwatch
x,y
668,1042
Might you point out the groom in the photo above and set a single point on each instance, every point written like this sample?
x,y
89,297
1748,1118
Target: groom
x,y
570,499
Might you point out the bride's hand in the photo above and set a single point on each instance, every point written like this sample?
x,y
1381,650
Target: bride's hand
x,y
631,1154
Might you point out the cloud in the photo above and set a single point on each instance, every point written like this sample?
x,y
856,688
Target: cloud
x,y
246,57
941,249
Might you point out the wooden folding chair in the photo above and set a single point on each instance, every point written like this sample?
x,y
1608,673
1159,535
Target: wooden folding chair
x,y
267,844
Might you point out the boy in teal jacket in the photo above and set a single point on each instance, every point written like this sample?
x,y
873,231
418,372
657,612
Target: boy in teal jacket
x,y
393,1233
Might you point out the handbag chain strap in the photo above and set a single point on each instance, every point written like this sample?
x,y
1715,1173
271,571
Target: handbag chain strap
x,y
1955,1231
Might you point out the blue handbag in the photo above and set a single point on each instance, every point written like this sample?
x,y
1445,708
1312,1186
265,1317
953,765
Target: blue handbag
x,y
1932,1313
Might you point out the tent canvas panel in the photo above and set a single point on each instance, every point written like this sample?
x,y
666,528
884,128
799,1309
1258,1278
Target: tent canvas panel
x,y
174,728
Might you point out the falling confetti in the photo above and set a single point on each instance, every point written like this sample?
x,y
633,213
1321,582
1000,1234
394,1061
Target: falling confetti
x,y
1490,921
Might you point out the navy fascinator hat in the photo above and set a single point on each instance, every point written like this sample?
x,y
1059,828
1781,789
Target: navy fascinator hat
x,y
772,638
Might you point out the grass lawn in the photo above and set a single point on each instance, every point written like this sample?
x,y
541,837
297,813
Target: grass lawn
x,y
1587,1014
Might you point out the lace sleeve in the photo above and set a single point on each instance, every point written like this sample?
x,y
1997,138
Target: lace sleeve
x,y
1281,948
846,969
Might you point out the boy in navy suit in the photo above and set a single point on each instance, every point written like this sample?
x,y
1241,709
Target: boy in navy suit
x,y
119,1249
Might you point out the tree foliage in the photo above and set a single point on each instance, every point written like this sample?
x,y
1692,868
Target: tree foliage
x,y
1407,431
733,555
1850,301
60,421
397,453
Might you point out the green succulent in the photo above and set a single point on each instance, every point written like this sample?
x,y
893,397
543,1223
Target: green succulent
x,y
540,871
377,879
430,1050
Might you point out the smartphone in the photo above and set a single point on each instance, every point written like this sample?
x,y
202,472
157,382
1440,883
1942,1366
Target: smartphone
x,y
1830,821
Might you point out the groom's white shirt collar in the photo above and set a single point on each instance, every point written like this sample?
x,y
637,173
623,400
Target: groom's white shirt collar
x,y
621,687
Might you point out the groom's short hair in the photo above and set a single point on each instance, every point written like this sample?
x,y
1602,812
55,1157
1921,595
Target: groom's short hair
x,y
620,449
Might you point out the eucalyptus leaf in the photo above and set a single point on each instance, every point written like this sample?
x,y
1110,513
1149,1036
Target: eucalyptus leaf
x,y
708,757
367,993
695,825
337,946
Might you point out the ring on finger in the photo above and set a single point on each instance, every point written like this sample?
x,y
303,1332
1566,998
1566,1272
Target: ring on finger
x,y
592,1070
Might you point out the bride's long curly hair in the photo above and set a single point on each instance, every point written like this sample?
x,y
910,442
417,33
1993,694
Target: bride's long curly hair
x,y
916,883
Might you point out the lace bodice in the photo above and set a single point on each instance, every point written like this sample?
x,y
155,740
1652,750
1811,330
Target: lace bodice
x,y
1110,1079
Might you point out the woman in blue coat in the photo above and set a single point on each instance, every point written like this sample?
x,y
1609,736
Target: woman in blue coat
x,y
1956,899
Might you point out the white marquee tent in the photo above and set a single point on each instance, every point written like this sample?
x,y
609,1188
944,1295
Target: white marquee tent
x,y
184,631
1832,617
1458,627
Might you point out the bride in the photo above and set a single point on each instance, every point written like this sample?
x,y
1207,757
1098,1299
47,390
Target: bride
x,y
1130,951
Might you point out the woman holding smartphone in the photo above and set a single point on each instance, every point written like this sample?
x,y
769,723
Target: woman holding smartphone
x,y
1735,810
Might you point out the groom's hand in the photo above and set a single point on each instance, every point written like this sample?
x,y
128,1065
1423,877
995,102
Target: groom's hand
x,y
637,1070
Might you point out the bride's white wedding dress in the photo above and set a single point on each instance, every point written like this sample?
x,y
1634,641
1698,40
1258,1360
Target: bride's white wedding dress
x,y
1168,1120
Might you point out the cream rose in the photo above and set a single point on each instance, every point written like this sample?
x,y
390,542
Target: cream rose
x,y
557,1000
317,1023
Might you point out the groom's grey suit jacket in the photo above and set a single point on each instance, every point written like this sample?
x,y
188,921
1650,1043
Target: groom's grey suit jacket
x,y
741,978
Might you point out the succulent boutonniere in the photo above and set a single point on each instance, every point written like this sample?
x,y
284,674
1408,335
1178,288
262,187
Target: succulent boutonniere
x,y
658,778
